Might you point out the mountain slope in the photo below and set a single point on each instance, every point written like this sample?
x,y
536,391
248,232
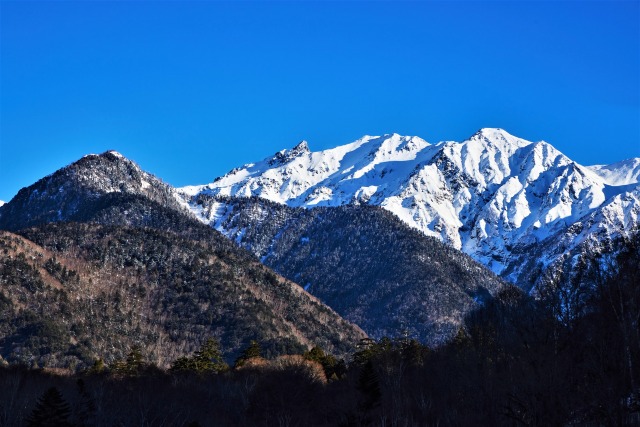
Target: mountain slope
x,y
490,196
625,172
64,195
74,292
363,262
164,279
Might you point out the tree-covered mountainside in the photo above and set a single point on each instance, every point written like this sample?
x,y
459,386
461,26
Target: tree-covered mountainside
x,y
151,274
104,271
516,360
72,293
65,194
363,262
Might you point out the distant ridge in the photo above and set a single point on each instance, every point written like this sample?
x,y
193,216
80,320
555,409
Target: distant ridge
x,y
503,200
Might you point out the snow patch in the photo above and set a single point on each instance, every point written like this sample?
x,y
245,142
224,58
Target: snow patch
x,y
115,153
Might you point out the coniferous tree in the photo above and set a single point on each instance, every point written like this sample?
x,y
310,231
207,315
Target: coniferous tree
x,y
329,362
253,351
86,406
209,357
50,411
206,360
369,386
132,365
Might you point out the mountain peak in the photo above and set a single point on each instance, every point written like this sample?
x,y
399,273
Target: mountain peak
x,y
68,193
492,133
302,146
476,194
500,137
113,153
285,156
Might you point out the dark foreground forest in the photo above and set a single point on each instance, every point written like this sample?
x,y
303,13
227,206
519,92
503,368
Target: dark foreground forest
x,y
569,358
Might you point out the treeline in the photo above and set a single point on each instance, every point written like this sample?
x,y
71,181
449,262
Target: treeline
x,y
565,359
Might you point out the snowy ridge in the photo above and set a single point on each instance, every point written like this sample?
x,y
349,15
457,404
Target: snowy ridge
x,y
486,195
621,173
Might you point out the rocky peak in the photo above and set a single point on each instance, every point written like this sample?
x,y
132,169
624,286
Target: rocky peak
x,y
285,156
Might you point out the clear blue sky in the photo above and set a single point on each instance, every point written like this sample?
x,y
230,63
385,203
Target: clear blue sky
x,y
190,90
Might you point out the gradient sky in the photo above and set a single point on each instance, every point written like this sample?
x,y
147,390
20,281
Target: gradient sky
x,y
190,90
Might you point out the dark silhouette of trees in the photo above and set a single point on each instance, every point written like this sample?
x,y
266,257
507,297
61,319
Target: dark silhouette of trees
x,y
51,411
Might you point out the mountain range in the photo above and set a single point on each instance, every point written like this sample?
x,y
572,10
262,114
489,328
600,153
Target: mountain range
x,y
100,257
520,208
389,233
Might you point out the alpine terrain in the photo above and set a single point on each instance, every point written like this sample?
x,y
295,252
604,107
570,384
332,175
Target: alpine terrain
x,y
521,208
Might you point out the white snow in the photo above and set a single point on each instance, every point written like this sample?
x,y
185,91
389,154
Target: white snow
x,y
483,195
621,173
115,153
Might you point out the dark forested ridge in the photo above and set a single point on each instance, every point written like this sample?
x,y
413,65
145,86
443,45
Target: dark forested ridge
x,y
364,263
154,271
75,292
515,361
361,261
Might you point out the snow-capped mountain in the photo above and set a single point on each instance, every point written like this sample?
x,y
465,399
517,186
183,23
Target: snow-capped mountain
x,y
496,197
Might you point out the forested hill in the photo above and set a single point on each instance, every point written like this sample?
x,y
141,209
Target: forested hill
x,y
362,261
161,279
73,293
65,194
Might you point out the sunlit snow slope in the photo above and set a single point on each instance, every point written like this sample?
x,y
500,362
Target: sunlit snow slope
x,y
497,197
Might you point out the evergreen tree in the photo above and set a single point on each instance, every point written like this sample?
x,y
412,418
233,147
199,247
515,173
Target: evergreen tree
x,y
51,410
369,387
132,365
366,349
209,358
328,361
97,367
206,360
134,358
253,351
86,406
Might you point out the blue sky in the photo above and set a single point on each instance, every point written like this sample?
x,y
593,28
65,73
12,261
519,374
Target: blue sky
x,y
190,90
